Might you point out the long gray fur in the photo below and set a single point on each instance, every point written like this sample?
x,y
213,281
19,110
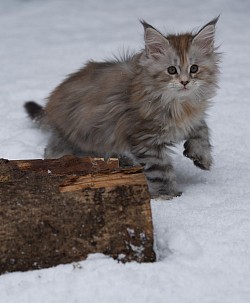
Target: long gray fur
x,y
135,109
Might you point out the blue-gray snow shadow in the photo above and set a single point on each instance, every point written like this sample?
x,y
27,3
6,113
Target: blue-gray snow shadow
x,y
176,242
187,174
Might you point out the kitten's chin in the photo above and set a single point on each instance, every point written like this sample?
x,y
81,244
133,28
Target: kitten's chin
x,y
184,92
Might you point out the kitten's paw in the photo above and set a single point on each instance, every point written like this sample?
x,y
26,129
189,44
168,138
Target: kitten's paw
x,y
200,163
167,196
201,156
125,161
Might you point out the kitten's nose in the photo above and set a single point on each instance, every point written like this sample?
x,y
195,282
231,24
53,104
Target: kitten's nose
x,y
184,83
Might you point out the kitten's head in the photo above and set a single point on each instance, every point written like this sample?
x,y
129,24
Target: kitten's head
x,y
184,65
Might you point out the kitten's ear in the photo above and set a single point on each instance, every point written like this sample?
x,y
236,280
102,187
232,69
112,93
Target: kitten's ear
x,y
205,37
155,43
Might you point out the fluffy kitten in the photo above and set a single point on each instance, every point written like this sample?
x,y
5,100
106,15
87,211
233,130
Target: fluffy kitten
x,y
139,106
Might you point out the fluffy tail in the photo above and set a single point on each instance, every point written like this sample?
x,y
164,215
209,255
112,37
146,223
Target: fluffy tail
x,y
35,111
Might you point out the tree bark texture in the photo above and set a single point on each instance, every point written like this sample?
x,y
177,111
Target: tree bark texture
x,y
59,211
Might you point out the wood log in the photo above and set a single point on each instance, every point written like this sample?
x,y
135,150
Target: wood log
x,y
59,211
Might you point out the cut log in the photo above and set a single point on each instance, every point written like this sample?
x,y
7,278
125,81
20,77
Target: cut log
x,y
59,211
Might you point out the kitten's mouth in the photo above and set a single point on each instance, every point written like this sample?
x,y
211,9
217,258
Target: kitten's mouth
x,y
184,90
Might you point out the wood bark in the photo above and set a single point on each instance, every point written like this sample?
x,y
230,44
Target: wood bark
x,y
59,211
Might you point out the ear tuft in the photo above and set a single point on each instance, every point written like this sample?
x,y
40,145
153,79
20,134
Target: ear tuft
x,y
147,25
205,37
155,42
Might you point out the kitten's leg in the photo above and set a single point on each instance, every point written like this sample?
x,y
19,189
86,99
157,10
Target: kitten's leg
x,y
198,147
160,174
58,146
125,161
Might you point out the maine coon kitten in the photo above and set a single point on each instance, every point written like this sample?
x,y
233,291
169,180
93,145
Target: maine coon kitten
x,y
140,106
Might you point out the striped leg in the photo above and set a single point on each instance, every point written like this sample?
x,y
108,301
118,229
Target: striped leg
x,y
160,174
58,146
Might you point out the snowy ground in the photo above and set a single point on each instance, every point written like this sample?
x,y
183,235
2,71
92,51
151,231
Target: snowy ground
x,y
202,239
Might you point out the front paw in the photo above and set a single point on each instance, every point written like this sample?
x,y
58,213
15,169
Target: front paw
x,y
169,196
199,153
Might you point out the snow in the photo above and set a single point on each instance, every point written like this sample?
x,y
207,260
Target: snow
x,y
202,239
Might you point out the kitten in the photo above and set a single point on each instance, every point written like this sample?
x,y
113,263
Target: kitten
x,y
140,106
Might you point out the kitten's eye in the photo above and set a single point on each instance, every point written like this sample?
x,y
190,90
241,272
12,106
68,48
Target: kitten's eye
x,y
172,70
194,69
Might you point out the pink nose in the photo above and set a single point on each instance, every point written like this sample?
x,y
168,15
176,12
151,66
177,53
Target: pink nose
x,y
184,83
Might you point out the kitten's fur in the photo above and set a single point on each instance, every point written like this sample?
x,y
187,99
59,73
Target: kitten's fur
x,y
135,108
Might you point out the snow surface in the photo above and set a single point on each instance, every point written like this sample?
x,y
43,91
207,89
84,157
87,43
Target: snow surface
x,y
202,238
